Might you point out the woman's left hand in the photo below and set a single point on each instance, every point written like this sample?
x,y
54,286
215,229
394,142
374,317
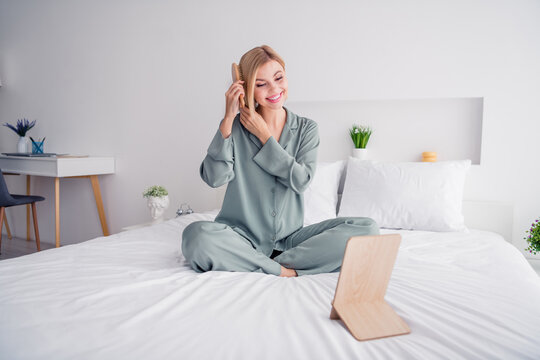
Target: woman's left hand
x,y
255,125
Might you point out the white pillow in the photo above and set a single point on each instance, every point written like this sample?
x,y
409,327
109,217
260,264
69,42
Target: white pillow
x,y
321,197
414,196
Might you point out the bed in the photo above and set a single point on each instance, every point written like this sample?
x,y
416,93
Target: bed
x,y
465,294
132,296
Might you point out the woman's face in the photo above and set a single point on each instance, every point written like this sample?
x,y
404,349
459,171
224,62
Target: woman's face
x,y
271,85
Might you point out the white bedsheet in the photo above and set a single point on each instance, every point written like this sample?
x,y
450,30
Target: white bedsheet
x,y
132,296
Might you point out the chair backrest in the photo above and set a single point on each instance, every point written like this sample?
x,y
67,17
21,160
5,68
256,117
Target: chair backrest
x,y
5,198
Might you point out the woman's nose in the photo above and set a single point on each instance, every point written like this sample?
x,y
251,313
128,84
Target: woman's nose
x,y
273,86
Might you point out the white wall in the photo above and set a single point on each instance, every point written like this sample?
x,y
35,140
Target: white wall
x,y
144,81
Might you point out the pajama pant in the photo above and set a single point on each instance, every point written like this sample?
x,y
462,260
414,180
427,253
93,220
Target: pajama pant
x,y
314,249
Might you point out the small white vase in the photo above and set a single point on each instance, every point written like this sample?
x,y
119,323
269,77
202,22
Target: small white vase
x,y
22,145
157,206
360,154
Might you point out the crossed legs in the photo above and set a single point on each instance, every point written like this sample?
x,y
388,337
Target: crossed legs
x,y
314,249
319,248
209,245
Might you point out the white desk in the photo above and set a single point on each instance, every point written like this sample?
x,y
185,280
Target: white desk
x,y
61,167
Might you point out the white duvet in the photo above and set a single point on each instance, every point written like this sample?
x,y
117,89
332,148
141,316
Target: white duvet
x,y
132,296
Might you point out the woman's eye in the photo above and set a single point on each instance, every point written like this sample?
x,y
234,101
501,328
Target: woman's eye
x,y
259,85
279,78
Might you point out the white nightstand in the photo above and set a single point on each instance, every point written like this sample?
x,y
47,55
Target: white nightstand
x,y
535,263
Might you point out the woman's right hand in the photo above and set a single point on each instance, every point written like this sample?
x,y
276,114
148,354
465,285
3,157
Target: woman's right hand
x,y
232,98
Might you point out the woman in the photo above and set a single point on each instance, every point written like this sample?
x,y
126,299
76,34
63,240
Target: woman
x,y
267,156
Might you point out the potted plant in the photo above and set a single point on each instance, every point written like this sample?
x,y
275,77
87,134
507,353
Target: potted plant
x,y
157,201
22,127
534,238
360,136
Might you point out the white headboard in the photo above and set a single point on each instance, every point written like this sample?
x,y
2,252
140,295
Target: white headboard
x,y
402,129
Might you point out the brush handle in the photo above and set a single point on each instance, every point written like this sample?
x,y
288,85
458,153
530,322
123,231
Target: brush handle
x,y
235,69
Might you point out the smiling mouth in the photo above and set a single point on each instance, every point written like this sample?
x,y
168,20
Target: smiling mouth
x,y
276,98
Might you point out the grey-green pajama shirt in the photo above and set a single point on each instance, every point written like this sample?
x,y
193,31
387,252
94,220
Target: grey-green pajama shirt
x,y
263,209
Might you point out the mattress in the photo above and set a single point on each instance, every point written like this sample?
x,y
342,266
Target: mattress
x,y
468,295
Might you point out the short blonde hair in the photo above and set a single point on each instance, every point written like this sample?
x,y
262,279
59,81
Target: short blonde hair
x,y
250,63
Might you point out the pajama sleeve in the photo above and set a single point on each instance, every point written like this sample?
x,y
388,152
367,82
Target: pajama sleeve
x,y
295,173
217,167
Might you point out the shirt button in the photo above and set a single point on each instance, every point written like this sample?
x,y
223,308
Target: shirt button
x,y
273,213
274,237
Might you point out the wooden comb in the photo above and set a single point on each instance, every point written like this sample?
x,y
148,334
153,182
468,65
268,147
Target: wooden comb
x,y
236,75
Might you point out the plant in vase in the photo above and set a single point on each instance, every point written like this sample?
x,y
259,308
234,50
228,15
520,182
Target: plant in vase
x,y
22,127
534,238
157,201
360,136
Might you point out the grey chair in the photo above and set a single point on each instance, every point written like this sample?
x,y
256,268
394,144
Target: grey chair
x,y
8,200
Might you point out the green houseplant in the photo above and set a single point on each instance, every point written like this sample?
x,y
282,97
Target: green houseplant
x,y
360,137
534,237
155,191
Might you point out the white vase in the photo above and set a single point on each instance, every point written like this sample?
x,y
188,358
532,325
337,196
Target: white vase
x,y
157,206
361,154
22,145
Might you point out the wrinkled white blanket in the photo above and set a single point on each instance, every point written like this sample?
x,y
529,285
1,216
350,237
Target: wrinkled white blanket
x,y
132,296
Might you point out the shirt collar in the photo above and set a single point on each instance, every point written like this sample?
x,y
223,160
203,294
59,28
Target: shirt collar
x,y
289,130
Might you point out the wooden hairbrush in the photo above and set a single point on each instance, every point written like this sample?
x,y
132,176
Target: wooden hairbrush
x,y
237,75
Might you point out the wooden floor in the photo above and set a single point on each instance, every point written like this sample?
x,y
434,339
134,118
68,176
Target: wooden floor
x,y
18,247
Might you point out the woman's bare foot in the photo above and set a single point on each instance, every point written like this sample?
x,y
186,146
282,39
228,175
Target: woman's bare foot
x,y
287,272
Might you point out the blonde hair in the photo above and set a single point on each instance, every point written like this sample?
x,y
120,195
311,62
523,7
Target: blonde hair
x,y
250,63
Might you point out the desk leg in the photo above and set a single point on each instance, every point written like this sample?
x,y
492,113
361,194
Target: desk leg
x,y
99,204
27,209
57,209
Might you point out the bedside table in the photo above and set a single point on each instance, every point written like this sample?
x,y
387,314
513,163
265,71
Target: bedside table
x,y
535,263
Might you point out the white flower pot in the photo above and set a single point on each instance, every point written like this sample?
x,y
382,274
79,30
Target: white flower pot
x,y
361,154
22,145
157,206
